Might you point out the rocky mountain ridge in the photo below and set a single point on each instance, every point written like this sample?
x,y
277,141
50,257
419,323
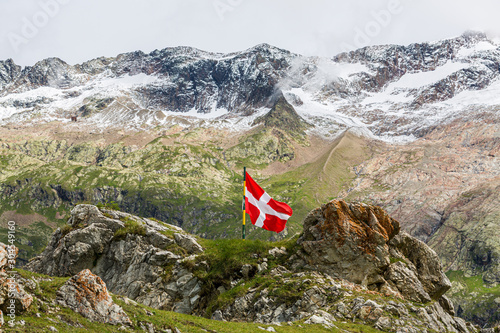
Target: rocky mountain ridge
x,y
372,89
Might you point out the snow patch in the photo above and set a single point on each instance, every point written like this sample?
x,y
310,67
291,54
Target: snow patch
x,y
34,94
481,46
421,79
489,96
399,91
193,113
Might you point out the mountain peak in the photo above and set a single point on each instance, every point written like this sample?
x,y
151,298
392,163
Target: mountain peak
x,y
283,116
266,48
52,61
474,35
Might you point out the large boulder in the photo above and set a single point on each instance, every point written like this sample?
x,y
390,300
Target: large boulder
x,y
363,244
134,256
87,294
349,240
77,246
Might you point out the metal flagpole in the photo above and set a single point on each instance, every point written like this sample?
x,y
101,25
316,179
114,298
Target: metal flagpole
x,y
244,194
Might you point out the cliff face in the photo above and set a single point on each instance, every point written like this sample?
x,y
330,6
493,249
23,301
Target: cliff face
x,y
346,254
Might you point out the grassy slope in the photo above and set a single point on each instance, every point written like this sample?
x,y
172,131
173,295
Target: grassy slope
x,y
317,182
476,300
172,179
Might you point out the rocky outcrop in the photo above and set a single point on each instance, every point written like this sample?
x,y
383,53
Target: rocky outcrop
x,y
87,294
134,257
13,297
351,257
283,116
325,300
351,263
8,72
362,243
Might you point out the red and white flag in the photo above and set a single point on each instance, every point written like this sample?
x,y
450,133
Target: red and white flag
x,y
264,211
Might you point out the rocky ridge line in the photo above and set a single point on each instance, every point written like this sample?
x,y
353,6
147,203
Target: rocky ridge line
x,y
347,252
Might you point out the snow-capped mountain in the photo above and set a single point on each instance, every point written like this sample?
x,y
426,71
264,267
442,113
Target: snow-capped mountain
x,y
393,92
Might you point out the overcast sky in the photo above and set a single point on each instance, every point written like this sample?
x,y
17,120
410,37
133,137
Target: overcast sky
x,y
79,30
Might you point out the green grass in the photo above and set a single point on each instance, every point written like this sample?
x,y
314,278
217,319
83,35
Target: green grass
x,y
473,284
394,260
66,229
131,227
476,299
113,205
225,258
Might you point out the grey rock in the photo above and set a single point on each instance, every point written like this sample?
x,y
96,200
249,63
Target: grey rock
x,y
447,305
371,304
406,281
162,258
217,315
262,267
136,267
383,323
246,270
277,252
430,271
158,240
188,243
88,214
279,271
342,308
316,319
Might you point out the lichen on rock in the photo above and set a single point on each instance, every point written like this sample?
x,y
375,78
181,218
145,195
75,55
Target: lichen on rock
x,y
363,244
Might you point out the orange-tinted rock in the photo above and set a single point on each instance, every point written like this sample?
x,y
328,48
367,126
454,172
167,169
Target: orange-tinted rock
x,y
87,294
349,240
363,244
